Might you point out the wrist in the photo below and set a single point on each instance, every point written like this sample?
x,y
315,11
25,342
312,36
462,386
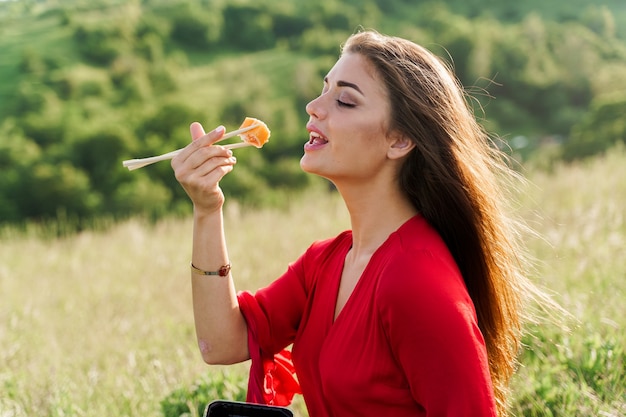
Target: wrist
x,y
201,213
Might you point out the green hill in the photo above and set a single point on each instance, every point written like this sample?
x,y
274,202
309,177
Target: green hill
x,y
86,84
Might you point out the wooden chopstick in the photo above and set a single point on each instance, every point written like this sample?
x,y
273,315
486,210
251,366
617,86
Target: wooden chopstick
x,y
133,164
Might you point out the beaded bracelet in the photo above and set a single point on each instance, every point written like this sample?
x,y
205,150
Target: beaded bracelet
x,y
222,272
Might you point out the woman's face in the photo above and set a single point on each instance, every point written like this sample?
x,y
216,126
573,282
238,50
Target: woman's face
x,y
348,123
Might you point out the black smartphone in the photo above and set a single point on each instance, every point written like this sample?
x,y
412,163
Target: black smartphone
x,y
223,408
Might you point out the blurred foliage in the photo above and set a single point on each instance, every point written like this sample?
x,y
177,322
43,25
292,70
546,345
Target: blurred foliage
x,y
601,128
106,80
564,376
192,401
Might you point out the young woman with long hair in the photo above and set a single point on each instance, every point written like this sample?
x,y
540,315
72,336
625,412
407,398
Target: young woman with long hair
x,y
414,311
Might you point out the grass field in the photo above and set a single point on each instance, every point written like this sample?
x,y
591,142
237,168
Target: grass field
x,y
100,323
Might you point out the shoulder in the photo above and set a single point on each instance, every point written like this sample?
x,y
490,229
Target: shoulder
x,y
420,274
416,251
321,253
417,234
322,249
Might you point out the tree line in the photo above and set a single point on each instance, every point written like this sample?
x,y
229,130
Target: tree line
x,y
126,79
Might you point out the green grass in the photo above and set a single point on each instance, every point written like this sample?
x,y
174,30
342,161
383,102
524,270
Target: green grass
x,y
100,323
579,211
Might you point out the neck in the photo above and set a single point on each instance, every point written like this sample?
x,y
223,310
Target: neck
x,y
375,213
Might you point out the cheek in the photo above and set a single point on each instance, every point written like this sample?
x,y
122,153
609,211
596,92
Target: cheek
x,y
373,136
365,150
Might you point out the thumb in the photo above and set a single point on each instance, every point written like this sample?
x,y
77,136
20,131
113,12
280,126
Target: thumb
x,y
196,130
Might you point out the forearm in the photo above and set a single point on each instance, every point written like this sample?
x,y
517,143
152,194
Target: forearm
x,y
220,327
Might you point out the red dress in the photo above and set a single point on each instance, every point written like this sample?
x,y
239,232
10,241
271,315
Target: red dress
x,y
406,342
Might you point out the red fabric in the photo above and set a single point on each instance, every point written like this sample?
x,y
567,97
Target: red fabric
x,y
272,377
405,344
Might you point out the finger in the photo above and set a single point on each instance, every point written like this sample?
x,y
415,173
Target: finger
x,y
211,137
206,176
204,139
215,170
196,130
217,162
200,140
197,133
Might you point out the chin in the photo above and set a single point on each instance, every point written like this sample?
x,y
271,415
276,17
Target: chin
x,y
314,166
306,164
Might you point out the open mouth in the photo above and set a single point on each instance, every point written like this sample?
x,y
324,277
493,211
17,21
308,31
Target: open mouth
x,y
316,139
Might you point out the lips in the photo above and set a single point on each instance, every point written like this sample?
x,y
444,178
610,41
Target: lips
x,y
316,139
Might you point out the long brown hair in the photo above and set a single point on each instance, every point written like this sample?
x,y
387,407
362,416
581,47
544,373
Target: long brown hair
x,y
454,179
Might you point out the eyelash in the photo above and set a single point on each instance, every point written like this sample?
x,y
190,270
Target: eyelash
x,y
344,104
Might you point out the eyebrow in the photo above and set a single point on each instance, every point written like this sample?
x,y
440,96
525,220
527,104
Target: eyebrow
x,y
341,83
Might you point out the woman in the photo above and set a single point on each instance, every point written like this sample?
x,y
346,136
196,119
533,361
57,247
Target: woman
x,y
416,310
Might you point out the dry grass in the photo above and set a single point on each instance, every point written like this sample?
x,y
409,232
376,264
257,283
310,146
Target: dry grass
x,y
100,323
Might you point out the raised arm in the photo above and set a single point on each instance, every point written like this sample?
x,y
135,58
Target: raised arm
x,y
220,328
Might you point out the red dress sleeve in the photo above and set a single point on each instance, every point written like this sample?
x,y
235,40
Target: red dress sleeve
x,y
273,314
272,377
432,329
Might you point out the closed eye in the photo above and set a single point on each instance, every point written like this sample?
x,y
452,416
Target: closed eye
x,y
344,104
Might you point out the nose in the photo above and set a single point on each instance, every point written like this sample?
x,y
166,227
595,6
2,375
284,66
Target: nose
x,y
315,108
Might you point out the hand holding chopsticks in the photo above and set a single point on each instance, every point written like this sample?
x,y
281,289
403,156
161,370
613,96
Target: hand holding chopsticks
x,y
133,164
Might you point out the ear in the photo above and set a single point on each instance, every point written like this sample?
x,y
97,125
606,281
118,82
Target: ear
x,y
399,146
